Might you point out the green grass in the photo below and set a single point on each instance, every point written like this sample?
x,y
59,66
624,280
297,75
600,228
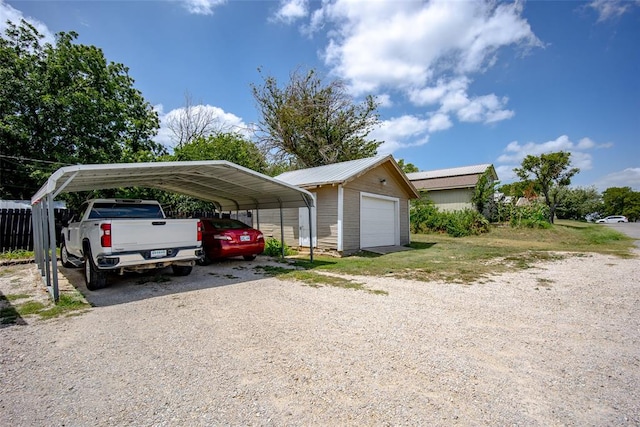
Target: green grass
x,y
316,280
472,258
68,304
14,297
17,254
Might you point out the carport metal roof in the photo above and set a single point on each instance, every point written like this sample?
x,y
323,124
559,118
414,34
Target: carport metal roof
x,y
227,185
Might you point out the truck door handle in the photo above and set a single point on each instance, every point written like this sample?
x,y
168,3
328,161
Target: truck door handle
x,y
159,222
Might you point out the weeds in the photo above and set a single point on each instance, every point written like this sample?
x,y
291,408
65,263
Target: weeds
x,y
16,254
68,304
316,280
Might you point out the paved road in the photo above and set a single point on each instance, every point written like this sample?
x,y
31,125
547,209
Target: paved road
x,y
631,229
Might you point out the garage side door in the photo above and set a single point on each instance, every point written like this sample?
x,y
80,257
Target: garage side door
x,y
378,222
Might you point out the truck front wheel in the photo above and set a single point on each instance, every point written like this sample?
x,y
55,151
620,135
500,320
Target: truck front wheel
x,y
93,278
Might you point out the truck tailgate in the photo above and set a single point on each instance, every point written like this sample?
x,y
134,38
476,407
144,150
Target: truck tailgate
x,y
144,234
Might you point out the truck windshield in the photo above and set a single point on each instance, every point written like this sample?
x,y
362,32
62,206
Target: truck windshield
x,y
125,210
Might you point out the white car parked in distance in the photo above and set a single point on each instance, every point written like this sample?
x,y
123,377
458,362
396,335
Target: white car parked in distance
x,y
612,219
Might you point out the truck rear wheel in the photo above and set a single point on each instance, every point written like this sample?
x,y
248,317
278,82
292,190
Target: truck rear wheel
x,y
93,278
181,270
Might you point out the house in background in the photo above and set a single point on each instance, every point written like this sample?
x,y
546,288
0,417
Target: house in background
x,y
359,204
451,189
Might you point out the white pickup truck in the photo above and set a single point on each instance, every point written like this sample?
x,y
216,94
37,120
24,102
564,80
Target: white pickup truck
x,y
118,235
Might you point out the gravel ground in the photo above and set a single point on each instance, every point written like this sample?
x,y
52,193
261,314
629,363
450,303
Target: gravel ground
x,y
558,344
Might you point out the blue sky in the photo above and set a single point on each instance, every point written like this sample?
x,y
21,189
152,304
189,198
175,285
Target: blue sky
x,y
459,82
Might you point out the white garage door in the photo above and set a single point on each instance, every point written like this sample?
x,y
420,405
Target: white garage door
x,y
378,222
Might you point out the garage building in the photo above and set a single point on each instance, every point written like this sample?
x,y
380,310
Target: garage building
x,y
359,204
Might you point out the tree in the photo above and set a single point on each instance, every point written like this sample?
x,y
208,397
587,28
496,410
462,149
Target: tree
x,y
229,146
309,123
192,122
232,147
518,189
407,167
622,201
62,105
577,203
483,195
551,172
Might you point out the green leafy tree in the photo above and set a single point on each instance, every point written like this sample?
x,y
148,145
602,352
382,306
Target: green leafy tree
x,y
407,167
577,203
229,146
632,210
483,195
309,123
551,172
519,189
65,104
622,201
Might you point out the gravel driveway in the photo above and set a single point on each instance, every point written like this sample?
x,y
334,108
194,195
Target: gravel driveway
x,y
558,344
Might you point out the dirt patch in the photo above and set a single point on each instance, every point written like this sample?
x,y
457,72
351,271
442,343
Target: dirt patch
x,y
556,344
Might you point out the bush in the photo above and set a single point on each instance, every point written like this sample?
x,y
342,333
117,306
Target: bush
x,y
273,247
534,215
425,217
466,223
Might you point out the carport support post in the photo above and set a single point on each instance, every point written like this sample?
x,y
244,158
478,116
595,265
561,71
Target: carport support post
x,y
36,223
310,234
281,231
52,246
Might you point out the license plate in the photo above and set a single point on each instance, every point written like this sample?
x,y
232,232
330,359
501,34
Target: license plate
x,y
159,253
245,238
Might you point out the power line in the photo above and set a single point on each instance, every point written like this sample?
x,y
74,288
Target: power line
x,y
34,160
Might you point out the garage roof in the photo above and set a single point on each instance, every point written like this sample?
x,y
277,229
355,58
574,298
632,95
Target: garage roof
x,y
344,172
229,186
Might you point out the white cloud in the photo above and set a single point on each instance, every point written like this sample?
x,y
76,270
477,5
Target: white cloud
x,y
453,98
426,50
225,122
506,173
611,9
514,153
439,121
404,44
8,13
202,7
405,131
629,177
292,10
384,100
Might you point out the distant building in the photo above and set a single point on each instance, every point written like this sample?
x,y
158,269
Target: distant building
x,y
451,189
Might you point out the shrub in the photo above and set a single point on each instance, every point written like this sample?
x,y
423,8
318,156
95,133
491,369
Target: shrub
x,y
425,217
466,223
534,215
273,247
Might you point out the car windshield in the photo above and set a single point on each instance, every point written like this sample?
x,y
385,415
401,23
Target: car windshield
x,y
227,224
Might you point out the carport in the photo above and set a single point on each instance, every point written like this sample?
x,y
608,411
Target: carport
x,y
229,186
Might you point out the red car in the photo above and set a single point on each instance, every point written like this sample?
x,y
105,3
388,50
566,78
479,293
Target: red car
x,y
225,238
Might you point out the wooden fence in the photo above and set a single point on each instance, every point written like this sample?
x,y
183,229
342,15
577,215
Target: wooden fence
x,y
16,230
